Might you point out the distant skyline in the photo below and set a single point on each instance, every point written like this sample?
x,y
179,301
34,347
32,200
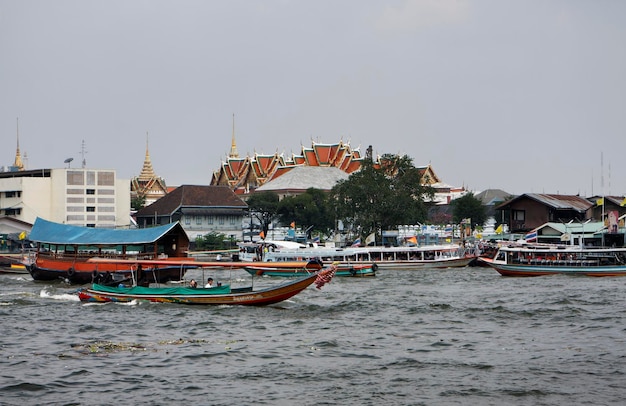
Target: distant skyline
x,y
524,96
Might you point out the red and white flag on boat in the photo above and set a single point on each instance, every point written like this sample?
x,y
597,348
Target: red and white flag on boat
x,y
325,276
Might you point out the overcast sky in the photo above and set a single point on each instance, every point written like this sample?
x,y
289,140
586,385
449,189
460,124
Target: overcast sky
x,y
524,96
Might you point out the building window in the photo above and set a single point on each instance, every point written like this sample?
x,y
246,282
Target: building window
x,y
13,193
187,220
198,220
91,209
91,178
232,220
519,215
75,200
12,212
75,177
209,219
106,179
221,220
90,191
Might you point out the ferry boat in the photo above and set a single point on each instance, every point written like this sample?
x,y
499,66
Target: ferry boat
x,y
381,258
67,252
539,260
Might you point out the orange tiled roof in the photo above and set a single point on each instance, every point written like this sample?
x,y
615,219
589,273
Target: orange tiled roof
x,y
243,174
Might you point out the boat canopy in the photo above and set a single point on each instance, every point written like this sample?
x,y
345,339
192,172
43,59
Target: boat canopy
x,y
167,291
45,231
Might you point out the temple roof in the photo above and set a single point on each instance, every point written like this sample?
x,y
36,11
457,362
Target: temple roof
x,y
304,177
18,164
245,174
147,172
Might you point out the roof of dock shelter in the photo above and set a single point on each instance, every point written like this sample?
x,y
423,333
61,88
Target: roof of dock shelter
x,y
45,231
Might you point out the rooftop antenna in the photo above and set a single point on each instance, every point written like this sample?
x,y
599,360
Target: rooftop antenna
x,y
68,161
83,151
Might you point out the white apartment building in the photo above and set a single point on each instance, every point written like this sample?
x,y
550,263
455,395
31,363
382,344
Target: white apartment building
x,y
83,197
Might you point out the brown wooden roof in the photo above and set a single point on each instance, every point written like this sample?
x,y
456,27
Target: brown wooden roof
x,y
195,196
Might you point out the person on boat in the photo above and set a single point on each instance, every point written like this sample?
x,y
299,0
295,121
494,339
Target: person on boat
x,y
193,284
209,283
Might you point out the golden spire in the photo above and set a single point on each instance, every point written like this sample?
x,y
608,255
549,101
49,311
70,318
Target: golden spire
x,y
233,144
147,173
18,158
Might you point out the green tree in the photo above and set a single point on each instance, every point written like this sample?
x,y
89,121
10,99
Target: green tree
x,y
310,209
138,202
264,207
468,206
214,241
382,196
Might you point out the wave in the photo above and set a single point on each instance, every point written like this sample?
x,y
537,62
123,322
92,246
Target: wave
x,y
70,297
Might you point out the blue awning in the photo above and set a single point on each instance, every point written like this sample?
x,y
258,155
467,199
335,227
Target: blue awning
x,y
45,231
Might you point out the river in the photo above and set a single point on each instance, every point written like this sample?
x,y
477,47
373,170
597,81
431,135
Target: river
x,y
463,336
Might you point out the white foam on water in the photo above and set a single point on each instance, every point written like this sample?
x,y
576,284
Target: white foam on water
x,y
71,297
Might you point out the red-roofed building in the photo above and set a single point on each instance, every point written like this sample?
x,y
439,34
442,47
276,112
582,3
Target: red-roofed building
x,y
244,175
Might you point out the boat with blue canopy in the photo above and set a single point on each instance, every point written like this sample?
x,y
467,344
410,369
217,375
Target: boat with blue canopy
x,y
65,251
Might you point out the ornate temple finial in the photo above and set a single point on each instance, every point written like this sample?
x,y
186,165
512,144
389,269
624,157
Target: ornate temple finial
x,y
18,164
147,172
233,144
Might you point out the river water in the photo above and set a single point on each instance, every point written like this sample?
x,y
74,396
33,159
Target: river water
x,y
450,337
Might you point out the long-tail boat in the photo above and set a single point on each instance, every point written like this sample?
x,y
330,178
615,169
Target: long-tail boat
x,y
275,269
221,295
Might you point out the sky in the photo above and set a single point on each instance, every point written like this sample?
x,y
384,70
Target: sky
x,y
526,96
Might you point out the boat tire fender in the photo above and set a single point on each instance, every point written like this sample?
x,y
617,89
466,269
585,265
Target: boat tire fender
x,y
71,272
375,267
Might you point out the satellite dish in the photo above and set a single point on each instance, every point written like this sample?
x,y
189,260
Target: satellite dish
x,y
68,160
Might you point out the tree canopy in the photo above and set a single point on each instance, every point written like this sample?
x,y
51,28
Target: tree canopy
x,y
469,207
214,241
264,207
309,210
138,202
380,197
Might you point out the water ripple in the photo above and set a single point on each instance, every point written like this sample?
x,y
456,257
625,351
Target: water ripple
x,y
451,337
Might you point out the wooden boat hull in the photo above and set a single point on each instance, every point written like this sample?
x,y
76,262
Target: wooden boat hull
x,y
543,270
81,272
202,296
513,270
12,263
342,270
415,265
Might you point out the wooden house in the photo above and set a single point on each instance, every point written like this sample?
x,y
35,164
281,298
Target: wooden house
x,y
531,210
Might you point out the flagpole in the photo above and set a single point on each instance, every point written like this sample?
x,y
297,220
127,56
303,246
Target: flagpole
x,y
602,187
